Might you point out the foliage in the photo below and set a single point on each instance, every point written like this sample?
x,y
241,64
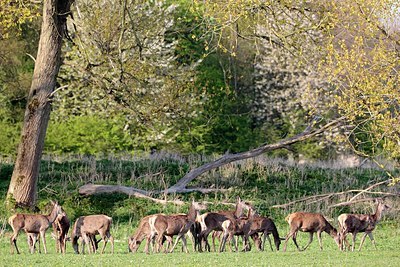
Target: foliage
x,y
124,63
16,69
265,182
362,63
14,15
89,135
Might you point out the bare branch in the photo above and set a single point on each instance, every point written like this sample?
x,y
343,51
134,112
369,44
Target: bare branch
x,y
228,158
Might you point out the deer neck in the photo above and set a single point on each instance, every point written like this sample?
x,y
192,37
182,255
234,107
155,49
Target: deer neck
x,y
238,211
53,215
377,216
330,229
192,214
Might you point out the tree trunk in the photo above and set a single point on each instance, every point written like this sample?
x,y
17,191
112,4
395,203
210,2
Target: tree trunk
x,y
23,185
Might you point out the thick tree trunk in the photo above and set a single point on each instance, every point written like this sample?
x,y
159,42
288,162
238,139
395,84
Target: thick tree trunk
x,y
23,185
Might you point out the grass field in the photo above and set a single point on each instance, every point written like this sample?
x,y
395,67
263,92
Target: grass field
x,y
264,182
387,236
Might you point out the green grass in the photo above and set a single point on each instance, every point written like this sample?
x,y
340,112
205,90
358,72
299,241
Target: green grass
x,y
387,236
262,181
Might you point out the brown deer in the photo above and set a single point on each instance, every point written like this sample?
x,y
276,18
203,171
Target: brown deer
x,y
171,225
143,232
213,221
264,225
311,223
32,224
60,230
89,226
360,223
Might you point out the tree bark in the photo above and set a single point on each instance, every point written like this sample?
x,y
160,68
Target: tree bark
x,y
23,185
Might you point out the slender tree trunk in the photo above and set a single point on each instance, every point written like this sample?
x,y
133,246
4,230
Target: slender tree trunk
x,y
23,185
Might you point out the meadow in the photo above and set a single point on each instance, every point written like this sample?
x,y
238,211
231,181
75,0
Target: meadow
x,y
263,181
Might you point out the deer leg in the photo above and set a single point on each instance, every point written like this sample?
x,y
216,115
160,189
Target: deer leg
x,y
13,243
309,242
64,243
34,239
290,235
215,234
294,238
346,242
266,236
372,239
184,243
86,240
257,241
204,240
30,243
105,238
362,240
319,239
42,235
223,242
159,242
354,241
176,242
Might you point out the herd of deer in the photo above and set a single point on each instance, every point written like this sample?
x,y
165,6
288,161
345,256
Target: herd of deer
x,y
160,228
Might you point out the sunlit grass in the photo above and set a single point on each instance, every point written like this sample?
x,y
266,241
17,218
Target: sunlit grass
x,y
387,237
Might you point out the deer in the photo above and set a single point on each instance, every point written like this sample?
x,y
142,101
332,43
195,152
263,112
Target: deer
x,y
360,223
171,225
32,224
60,230
143,232
89,226
311,223
264,225
213,221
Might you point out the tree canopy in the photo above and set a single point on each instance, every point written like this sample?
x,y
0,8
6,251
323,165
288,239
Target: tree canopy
x,y
211,76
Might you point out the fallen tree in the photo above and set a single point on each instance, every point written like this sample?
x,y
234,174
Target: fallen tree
x,y
181,185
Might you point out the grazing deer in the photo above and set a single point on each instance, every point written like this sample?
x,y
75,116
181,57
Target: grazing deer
x,y
213,221
170,225
358,223
143,232
311,223
264,225
32,224
60,230
89,226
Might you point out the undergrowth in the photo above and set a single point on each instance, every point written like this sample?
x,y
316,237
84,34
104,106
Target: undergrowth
x,y
262,181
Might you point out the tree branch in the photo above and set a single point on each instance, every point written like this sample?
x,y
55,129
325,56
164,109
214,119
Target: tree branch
x,y
228,158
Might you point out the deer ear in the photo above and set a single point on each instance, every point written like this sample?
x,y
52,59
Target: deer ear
x,y
238,199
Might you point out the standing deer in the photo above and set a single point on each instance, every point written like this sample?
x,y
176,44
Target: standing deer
x,y
213,221
32,224
170,225
358,223
89,226
60,230
143,232
311,223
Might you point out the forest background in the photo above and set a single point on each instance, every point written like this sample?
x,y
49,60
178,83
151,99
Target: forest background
x,y
193,78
